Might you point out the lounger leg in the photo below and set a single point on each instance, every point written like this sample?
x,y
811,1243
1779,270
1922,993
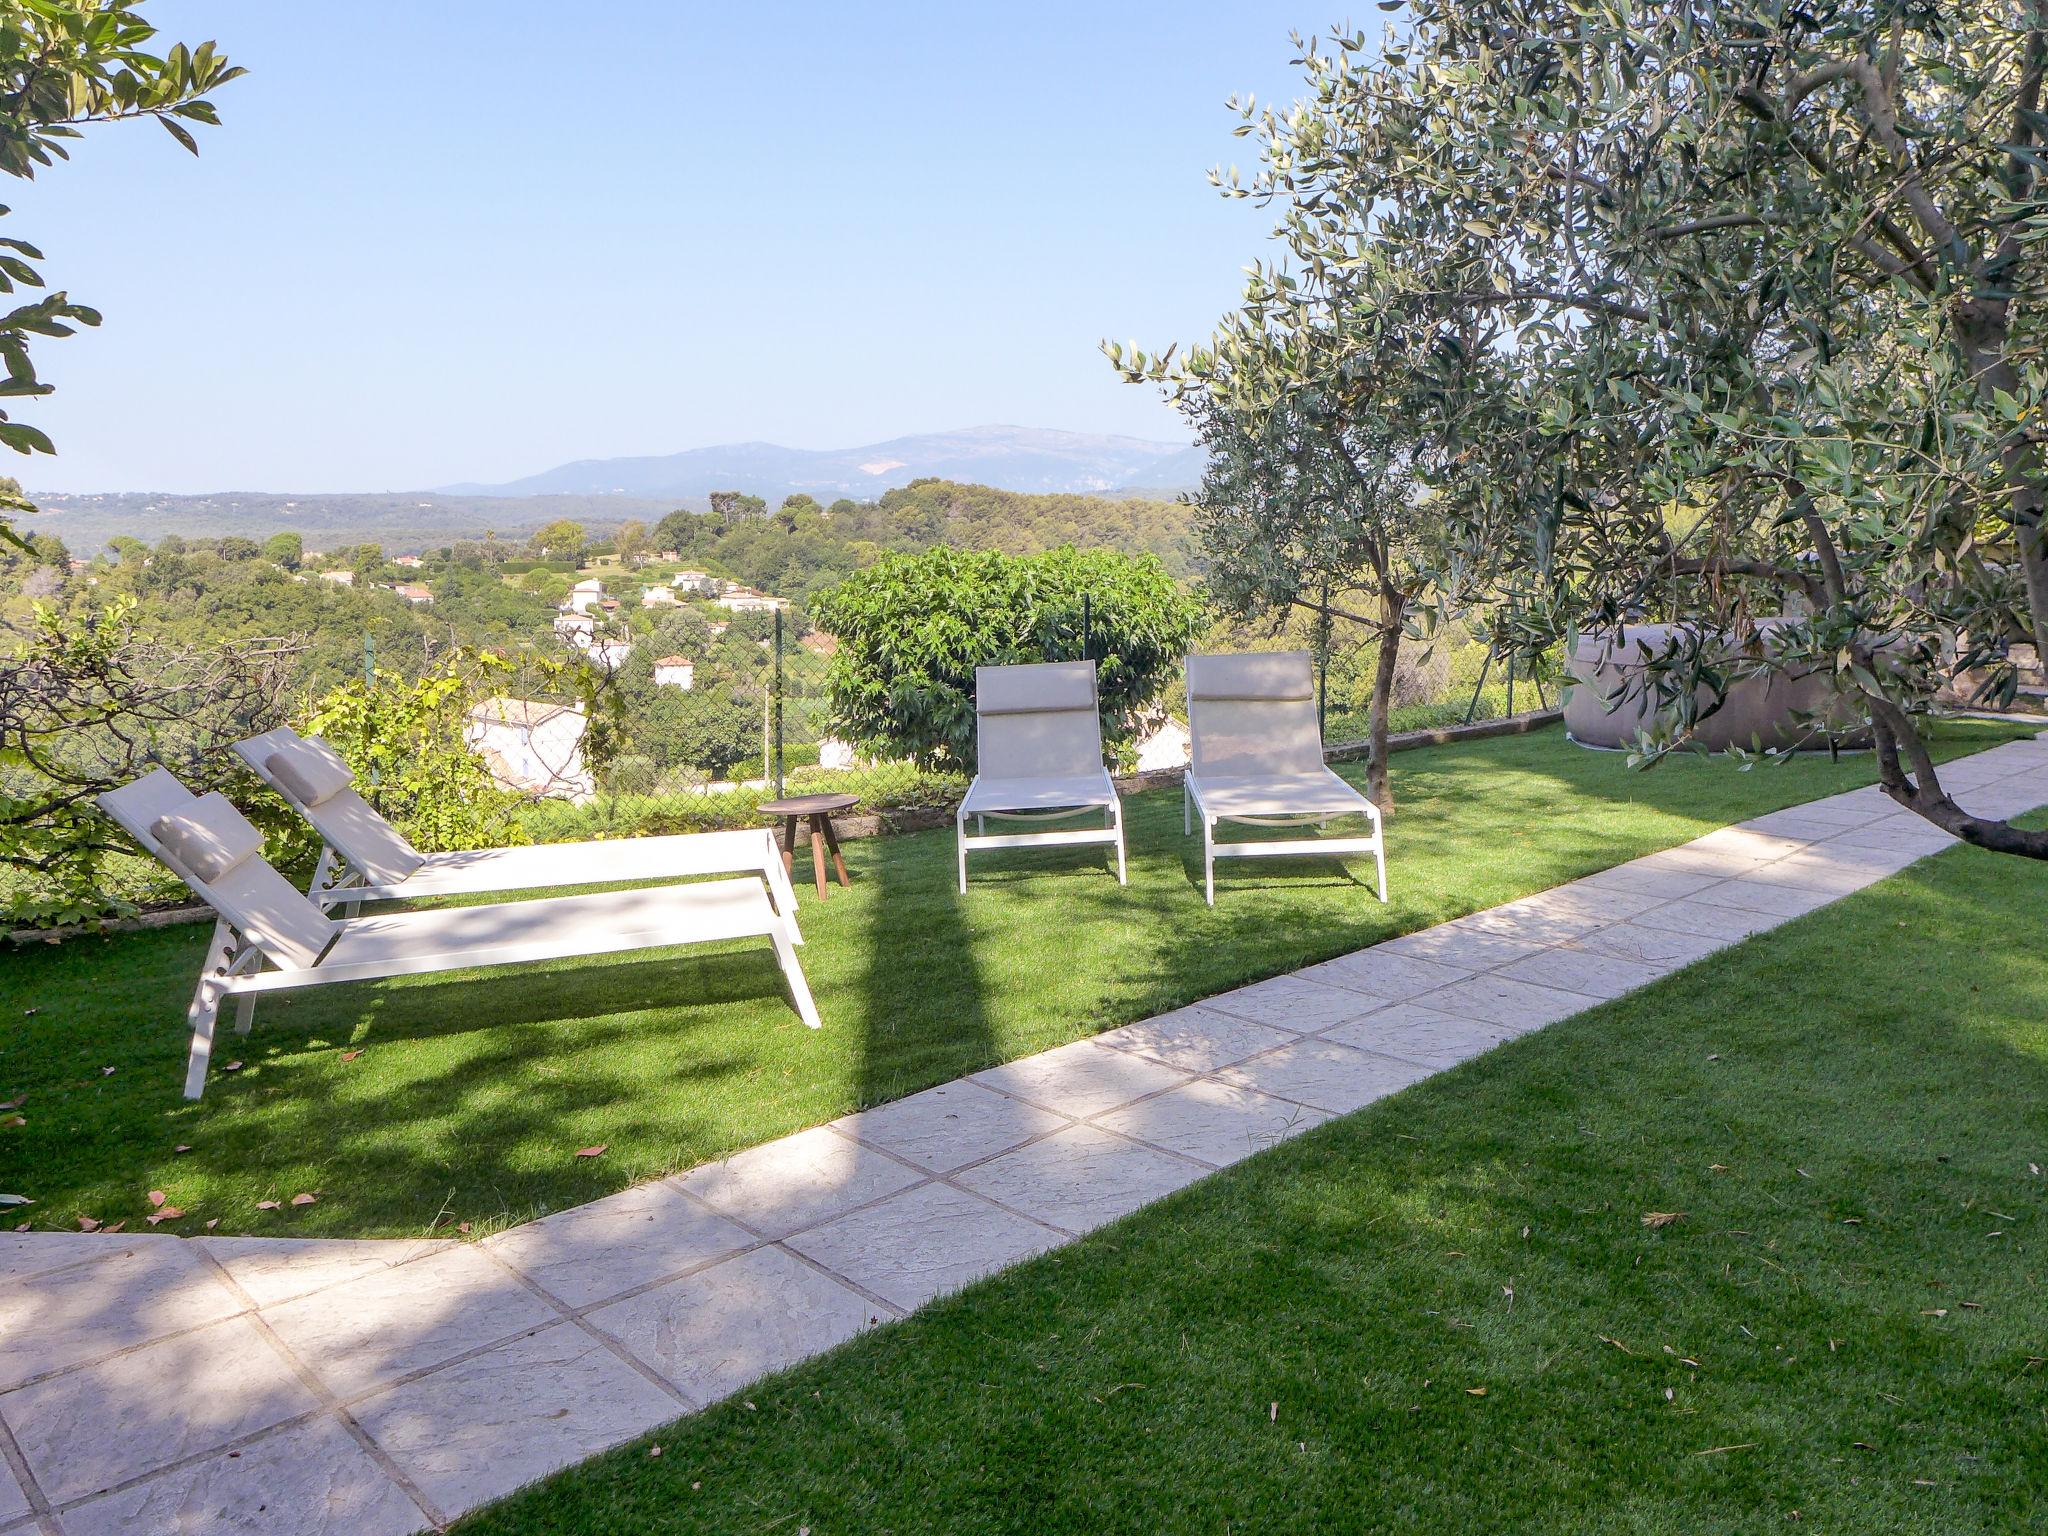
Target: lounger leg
x,y
1379,858
960,837
793,973
1209,860
245,1012
1116,821
201,1016
1187,809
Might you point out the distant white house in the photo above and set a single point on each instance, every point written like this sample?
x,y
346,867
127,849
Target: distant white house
x,y
584,596
532,747
657,597
675,672
410,562
698,582
576,628
339,578
413,593
1165,746
609,654
834,753
747,600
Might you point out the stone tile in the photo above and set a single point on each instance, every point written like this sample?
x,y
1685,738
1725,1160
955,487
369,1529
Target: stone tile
x,y
1829,877
103,1424
950,1126
380,1326
1582,970
1820,819
594,1252
1703,919
1387,976
1649,880
922,1243
783,1186
1325,1075
713,1332
28,1253
478,1429
1636,940
1739,842
1904,832
1418,1033
1080,1178
1764,898
1288,1002
1081,1079
1195,1039
13,1502
277,1269
1218,1123
1497,999
130,1293
312,1479
1458,943
1539,927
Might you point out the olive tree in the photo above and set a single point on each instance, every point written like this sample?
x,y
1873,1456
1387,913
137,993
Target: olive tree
x,y
1757,296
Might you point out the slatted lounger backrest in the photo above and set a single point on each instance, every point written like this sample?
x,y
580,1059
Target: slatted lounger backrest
x,y
1253,716
1039,721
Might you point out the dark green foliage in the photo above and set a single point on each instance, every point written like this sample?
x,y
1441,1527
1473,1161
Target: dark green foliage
x,y
912,629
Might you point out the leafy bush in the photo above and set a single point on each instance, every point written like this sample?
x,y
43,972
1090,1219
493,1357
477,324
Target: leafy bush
x,y
882,787
912,629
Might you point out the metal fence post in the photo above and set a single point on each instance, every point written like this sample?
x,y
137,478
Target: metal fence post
x,y
778,704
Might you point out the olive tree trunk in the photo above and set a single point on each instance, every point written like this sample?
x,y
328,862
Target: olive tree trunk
x,y
1378,787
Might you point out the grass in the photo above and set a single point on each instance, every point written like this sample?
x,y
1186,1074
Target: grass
x,y
463,1099
1445,1313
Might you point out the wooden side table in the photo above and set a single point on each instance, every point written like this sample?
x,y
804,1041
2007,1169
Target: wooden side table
x,y
818,810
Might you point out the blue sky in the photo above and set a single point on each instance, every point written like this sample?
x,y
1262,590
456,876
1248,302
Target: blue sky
x,y
452,241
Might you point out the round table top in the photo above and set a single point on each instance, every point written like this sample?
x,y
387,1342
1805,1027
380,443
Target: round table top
x,y
809,805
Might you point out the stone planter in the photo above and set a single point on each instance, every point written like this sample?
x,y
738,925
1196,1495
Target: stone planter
x,y
1756,710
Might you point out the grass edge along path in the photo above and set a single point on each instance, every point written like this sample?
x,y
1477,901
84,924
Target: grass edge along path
x,y
433,1103
1450,1312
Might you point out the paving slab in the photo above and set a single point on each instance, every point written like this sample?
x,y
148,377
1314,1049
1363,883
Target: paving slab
x,y
410,1317
1421,1034
783,1186
923,1242
497,1421
1585,971
30,1253
88,1430
950,1126
1701,918
1649,880
127,1294
1639,940
1080,1178
14,1502
1388,977
1214,1122
275,1269
711,1333
1081,1079
1464,946
1292,1003
1764,898
1497,999
601,1250
1326,1075
1196,1039
311,1480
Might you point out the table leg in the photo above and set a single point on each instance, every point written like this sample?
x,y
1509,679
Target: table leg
x,y
818,855
832,842
789,845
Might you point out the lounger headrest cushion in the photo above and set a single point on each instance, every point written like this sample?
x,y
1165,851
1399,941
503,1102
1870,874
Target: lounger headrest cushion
x,y
210,838
309,775
1266,675
1036,688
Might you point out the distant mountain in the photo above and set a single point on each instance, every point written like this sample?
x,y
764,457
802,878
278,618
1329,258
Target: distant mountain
x,y
1008,458
403,522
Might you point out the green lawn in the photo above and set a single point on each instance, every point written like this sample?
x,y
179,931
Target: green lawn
x,y
464,1099
1844,1331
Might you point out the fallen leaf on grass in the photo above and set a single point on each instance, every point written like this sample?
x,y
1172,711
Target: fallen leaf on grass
x,y
1935,1312
167,1213
212,1222
1661,1218
182,1147
88,1224
15,1103
106,1071
304,1199
266,1205
233,1066
1475,1391
350,1055
157,1197
1716,1450
16,1120
596,1151
115,1226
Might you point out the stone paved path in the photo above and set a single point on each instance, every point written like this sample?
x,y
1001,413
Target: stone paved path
x,y
162,1384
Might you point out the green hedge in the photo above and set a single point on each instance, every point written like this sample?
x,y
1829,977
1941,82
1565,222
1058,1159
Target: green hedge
x,y
881,787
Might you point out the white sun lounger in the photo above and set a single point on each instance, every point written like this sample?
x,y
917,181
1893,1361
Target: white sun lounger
x,y
1256,757
209,845
1038,747
365,858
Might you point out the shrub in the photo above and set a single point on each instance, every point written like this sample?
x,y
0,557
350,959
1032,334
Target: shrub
x,y
912,629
